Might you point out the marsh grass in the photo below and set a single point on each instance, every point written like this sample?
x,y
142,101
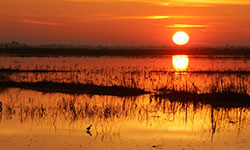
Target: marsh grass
x,y
141,79
209,101
109,114
107,82
230,86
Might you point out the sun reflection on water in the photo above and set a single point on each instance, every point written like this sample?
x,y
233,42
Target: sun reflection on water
x,y
180,62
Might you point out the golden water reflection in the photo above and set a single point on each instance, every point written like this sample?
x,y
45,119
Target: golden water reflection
x,y
202,74
180,62
28,119
119,121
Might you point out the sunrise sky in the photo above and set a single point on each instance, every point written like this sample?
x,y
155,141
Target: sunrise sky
x,y
125,22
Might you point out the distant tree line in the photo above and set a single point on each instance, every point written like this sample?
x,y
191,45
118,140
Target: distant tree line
x,y
19,49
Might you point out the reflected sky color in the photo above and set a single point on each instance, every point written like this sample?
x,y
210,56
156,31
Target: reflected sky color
x,y
180,62
61,119
31,120
158,71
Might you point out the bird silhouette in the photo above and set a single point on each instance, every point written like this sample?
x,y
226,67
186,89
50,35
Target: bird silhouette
x,y
89,133
88,128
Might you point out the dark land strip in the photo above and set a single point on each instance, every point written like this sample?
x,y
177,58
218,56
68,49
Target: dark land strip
x,y
32,71
225,99
66,52
218,99
75,88
164,72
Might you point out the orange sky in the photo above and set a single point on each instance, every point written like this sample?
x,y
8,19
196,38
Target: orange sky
x,y
125,22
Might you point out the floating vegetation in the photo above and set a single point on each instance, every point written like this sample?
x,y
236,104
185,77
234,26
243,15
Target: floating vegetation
x,y
227,99
73,88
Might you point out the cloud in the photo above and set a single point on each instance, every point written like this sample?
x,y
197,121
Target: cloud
x,y
149,17
40,22
187,26
152,2
192,3
141,17
158,17
239,2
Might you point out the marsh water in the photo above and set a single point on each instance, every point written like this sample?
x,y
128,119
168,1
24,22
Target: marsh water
x,y
37,119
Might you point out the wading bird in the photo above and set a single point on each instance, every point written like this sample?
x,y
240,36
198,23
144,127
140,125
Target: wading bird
x,y
88,128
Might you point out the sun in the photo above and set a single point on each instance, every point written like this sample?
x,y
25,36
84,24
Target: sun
x,y
180,38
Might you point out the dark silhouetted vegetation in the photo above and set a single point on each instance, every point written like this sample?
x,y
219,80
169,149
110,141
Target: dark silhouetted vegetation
x,y
120,51
226,99
74,88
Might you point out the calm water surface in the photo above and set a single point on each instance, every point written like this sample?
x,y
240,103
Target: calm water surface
x,y
35,120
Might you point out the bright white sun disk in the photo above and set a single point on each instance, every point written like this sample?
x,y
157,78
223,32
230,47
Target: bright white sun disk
x,y
180,38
